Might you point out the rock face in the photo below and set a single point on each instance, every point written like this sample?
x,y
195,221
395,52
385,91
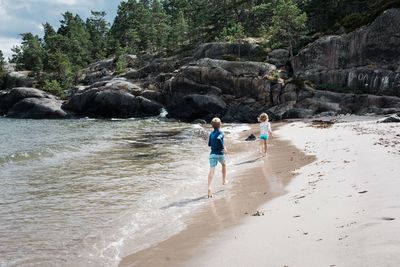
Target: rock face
x,y
30,103
220,50
367,60
37,108
96,71
114,99
212,87
278,57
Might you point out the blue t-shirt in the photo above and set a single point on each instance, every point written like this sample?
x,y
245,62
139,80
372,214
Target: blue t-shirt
x,y
216,142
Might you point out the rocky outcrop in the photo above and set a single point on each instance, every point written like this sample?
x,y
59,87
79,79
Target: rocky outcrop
x,y
278,57
294,102
212,87
218,50
111,102
37,108
30,103
365,61
97,71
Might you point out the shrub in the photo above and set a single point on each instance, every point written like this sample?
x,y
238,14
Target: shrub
x,y
53,87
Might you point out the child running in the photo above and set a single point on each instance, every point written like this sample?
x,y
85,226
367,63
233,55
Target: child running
x,y
265,132
216,142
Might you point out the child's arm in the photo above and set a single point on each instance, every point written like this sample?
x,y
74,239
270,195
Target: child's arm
x,y
270,130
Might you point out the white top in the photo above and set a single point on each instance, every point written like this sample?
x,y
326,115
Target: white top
x,y
265,128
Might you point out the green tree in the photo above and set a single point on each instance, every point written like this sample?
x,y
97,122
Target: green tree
x,y
181,30
132,17
29,55
288,23
235,33
97,27
158,26
74,29
2,69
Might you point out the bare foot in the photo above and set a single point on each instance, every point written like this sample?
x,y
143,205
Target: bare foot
x,y
210,195
224,182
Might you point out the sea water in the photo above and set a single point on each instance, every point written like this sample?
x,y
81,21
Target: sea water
x,y
87,192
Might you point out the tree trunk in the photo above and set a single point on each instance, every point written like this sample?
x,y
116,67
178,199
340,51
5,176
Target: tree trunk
x,y
291,56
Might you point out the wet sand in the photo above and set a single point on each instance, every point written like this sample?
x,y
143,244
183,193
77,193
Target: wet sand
x,y
254,180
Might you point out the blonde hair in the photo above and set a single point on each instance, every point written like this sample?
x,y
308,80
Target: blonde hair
x,y
263,117
216,123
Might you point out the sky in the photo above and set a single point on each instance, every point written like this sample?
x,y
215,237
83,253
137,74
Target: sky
x,y
19,16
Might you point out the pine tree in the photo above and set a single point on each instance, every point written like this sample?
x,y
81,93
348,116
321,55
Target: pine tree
x,y
288,23
97,28
29,55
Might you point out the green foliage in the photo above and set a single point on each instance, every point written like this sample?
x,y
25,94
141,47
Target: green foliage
x,y
288,23
331,15
53,87
98,28
121,65
2,64
29,55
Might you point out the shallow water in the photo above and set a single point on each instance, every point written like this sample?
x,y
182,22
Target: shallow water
x,y
87,192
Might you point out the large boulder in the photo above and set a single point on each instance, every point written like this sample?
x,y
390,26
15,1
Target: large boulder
x,y
37,108
365,61
194,106
278,57
111,103
8,100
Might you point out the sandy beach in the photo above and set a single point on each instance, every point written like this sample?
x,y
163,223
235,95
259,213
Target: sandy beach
x,y
342,209
248,188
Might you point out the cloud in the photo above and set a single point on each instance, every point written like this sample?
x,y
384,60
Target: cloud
x,y
20,16
6,44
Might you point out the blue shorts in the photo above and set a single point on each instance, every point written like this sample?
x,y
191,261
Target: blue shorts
x,y
264,137
214,159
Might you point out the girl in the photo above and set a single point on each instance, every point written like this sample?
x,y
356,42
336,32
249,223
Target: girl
x,y
265,131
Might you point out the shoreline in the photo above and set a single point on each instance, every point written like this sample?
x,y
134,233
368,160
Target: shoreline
x,y
254,180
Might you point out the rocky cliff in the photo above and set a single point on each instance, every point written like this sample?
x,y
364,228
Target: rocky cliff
x,y
365,61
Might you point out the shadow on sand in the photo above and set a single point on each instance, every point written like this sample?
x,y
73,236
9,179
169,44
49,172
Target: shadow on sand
x,y
188,201
249,161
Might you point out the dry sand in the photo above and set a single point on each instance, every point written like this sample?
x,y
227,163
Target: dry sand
x,y
253,180
341,210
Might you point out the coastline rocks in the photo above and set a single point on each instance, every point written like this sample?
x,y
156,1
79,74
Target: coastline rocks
x,y
366,60
391,119
293,102
111,103
37,108
236,88
30,103
15,95
194,106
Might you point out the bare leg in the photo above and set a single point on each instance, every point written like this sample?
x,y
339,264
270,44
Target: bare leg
x,y
261,146
210,178
265,146
224,180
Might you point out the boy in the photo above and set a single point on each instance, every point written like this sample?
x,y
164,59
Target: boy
x,y
216,142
